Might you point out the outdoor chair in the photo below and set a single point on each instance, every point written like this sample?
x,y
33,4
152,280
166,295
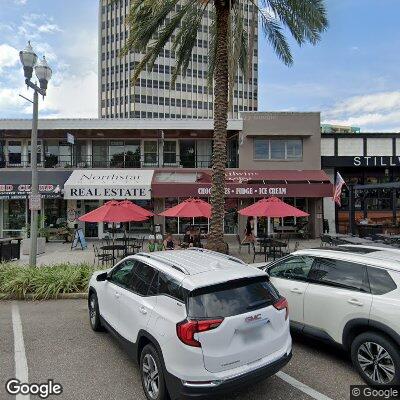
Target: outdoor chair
x,y
138,245
261,252
103,257
242,244
326,240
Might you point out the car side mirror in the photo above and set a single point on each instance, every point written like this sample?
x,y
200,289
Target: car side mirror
x,y
102,277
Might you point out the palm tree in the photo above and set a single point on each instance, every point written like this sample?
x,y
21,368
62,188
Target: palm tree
x,y
152,23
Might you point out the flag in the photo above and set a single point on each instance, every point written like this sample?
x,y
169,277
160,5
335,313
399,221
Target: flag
x,y
337,190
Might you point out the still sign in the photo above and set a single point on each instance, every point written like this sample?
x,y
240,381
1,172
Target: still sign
x,y
35,202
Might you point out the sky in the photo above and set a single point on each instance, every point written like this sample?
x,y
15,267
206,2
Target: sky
x,y
352,76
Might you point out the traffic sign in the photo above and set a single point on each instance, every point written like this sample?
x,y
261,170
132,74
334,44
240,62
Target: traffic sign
x,y
35,202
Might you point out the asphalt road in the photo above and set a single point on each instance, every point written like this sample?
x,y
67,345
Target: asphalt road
x,y
60,345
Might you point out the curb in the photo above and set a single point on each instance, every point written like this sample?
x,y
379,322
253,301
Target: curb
x,y
31,296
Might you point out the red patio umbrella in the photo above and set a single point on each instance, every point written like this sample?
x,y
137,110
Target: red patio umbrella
x,y
273,208
114,211
190,208
134,207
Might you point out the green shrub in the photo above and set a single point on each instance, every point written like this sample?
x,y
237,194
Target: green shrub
x,y
43,282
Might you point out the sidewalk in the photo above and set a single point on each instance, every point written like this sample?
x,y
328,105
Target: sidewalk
x,y
57,253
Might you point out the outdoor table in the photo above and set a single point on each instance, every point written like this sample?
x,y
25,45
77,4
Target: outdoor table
x,y
113,248
272,244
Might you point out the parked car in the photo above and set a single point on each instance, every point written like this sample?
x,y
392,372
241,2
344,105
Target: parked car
x,y
347,295
199,323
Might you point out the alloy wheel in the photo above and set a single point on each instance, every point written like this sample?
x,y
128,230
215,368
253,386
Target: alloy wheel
x,y
150,376
92,311
376,362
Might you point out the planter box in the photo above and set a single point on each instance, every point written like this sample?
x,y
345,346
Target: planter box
x,y
26,246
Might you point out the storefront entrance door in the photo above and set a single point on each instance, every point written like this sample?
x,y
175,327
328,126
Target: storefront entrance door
x,y
91,228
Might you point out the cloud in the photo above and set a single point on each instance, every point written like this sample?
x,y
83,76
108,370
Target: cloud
x,y
372,112
20,2
74,97
9,56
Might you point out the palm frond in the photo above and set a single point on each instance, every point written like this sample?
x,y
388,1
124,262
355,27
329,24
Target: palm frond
x,y
186,38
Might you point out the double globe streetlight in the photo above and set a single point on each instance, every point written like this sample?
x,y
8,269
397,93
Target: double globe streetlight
x,y
43,72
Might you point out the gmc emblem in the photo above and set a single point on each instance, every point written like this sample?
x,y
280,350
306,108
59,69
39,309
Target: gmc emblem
x,y
253,318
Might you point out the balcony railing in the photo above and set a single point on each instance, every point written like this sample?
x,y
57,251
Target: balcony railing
x,y
150,160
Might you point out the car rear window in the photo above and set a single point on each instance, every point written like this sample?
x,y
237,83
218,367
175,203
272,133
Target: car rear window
x,y
232,298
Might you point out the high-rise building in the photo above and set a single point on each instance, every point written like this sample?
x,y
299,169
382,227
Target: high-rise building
x,y
153,96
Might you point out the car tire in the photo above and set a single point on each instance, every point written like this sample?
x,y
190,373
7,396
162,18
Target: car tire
x,y
152,374
94,313
376,358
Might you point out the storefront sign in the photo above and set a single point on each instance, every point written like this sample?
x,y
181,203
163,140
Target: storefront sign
x,y
11,191
246,191
361,161
243,190
103,184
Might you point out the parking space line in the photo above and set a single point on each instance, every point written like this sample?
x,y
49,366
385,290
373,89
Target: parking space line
x,y
302,387
21,365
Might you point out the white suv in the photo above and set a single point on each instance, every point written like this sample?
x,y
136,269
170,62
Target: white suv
x,y
199,323
349,295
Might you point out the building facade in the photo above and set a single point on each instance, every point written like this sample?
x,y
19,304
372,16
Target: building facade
x,y
152,95
361,159
157,164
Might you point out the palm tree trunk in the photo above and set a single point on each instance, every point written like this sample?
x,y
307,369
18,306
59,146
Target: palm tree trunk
x,y
216,235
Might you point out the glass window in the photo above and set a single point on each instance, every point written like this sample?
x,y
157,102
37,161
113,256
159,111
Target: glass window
x,y
294,149
65,151
380,281
231,216
14,152
261,149
132,154
14,215
171,224
232,298
116,151
122,274
55,211
100,153
340,274
187,153
81,154
170,152
170,287
277,149
142,276
266,149
294,268
150,152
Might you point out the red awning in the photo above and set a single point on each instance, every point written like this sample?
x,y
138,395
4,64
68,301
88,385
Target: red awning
x,y
242,183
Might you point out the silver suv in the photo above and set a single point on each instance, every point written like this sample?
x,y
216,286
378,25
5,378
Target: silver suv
x,y
198,322
349,295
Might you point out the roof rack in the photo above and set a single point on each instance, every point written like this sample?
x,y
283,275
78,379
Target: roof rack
x,y
214,253
164,260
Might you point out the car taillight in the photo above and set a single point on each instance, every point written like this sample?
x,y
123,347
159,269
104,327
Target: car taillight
x,y
186,329
282,304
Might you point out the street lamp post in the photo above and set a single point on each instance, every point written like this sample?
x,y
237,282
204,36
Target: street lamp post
x,y
43,73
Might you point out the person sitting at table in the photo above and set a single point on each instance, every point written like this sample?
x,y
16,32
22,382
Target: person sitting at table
x,y
151,245
169,243
190,237
249,231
